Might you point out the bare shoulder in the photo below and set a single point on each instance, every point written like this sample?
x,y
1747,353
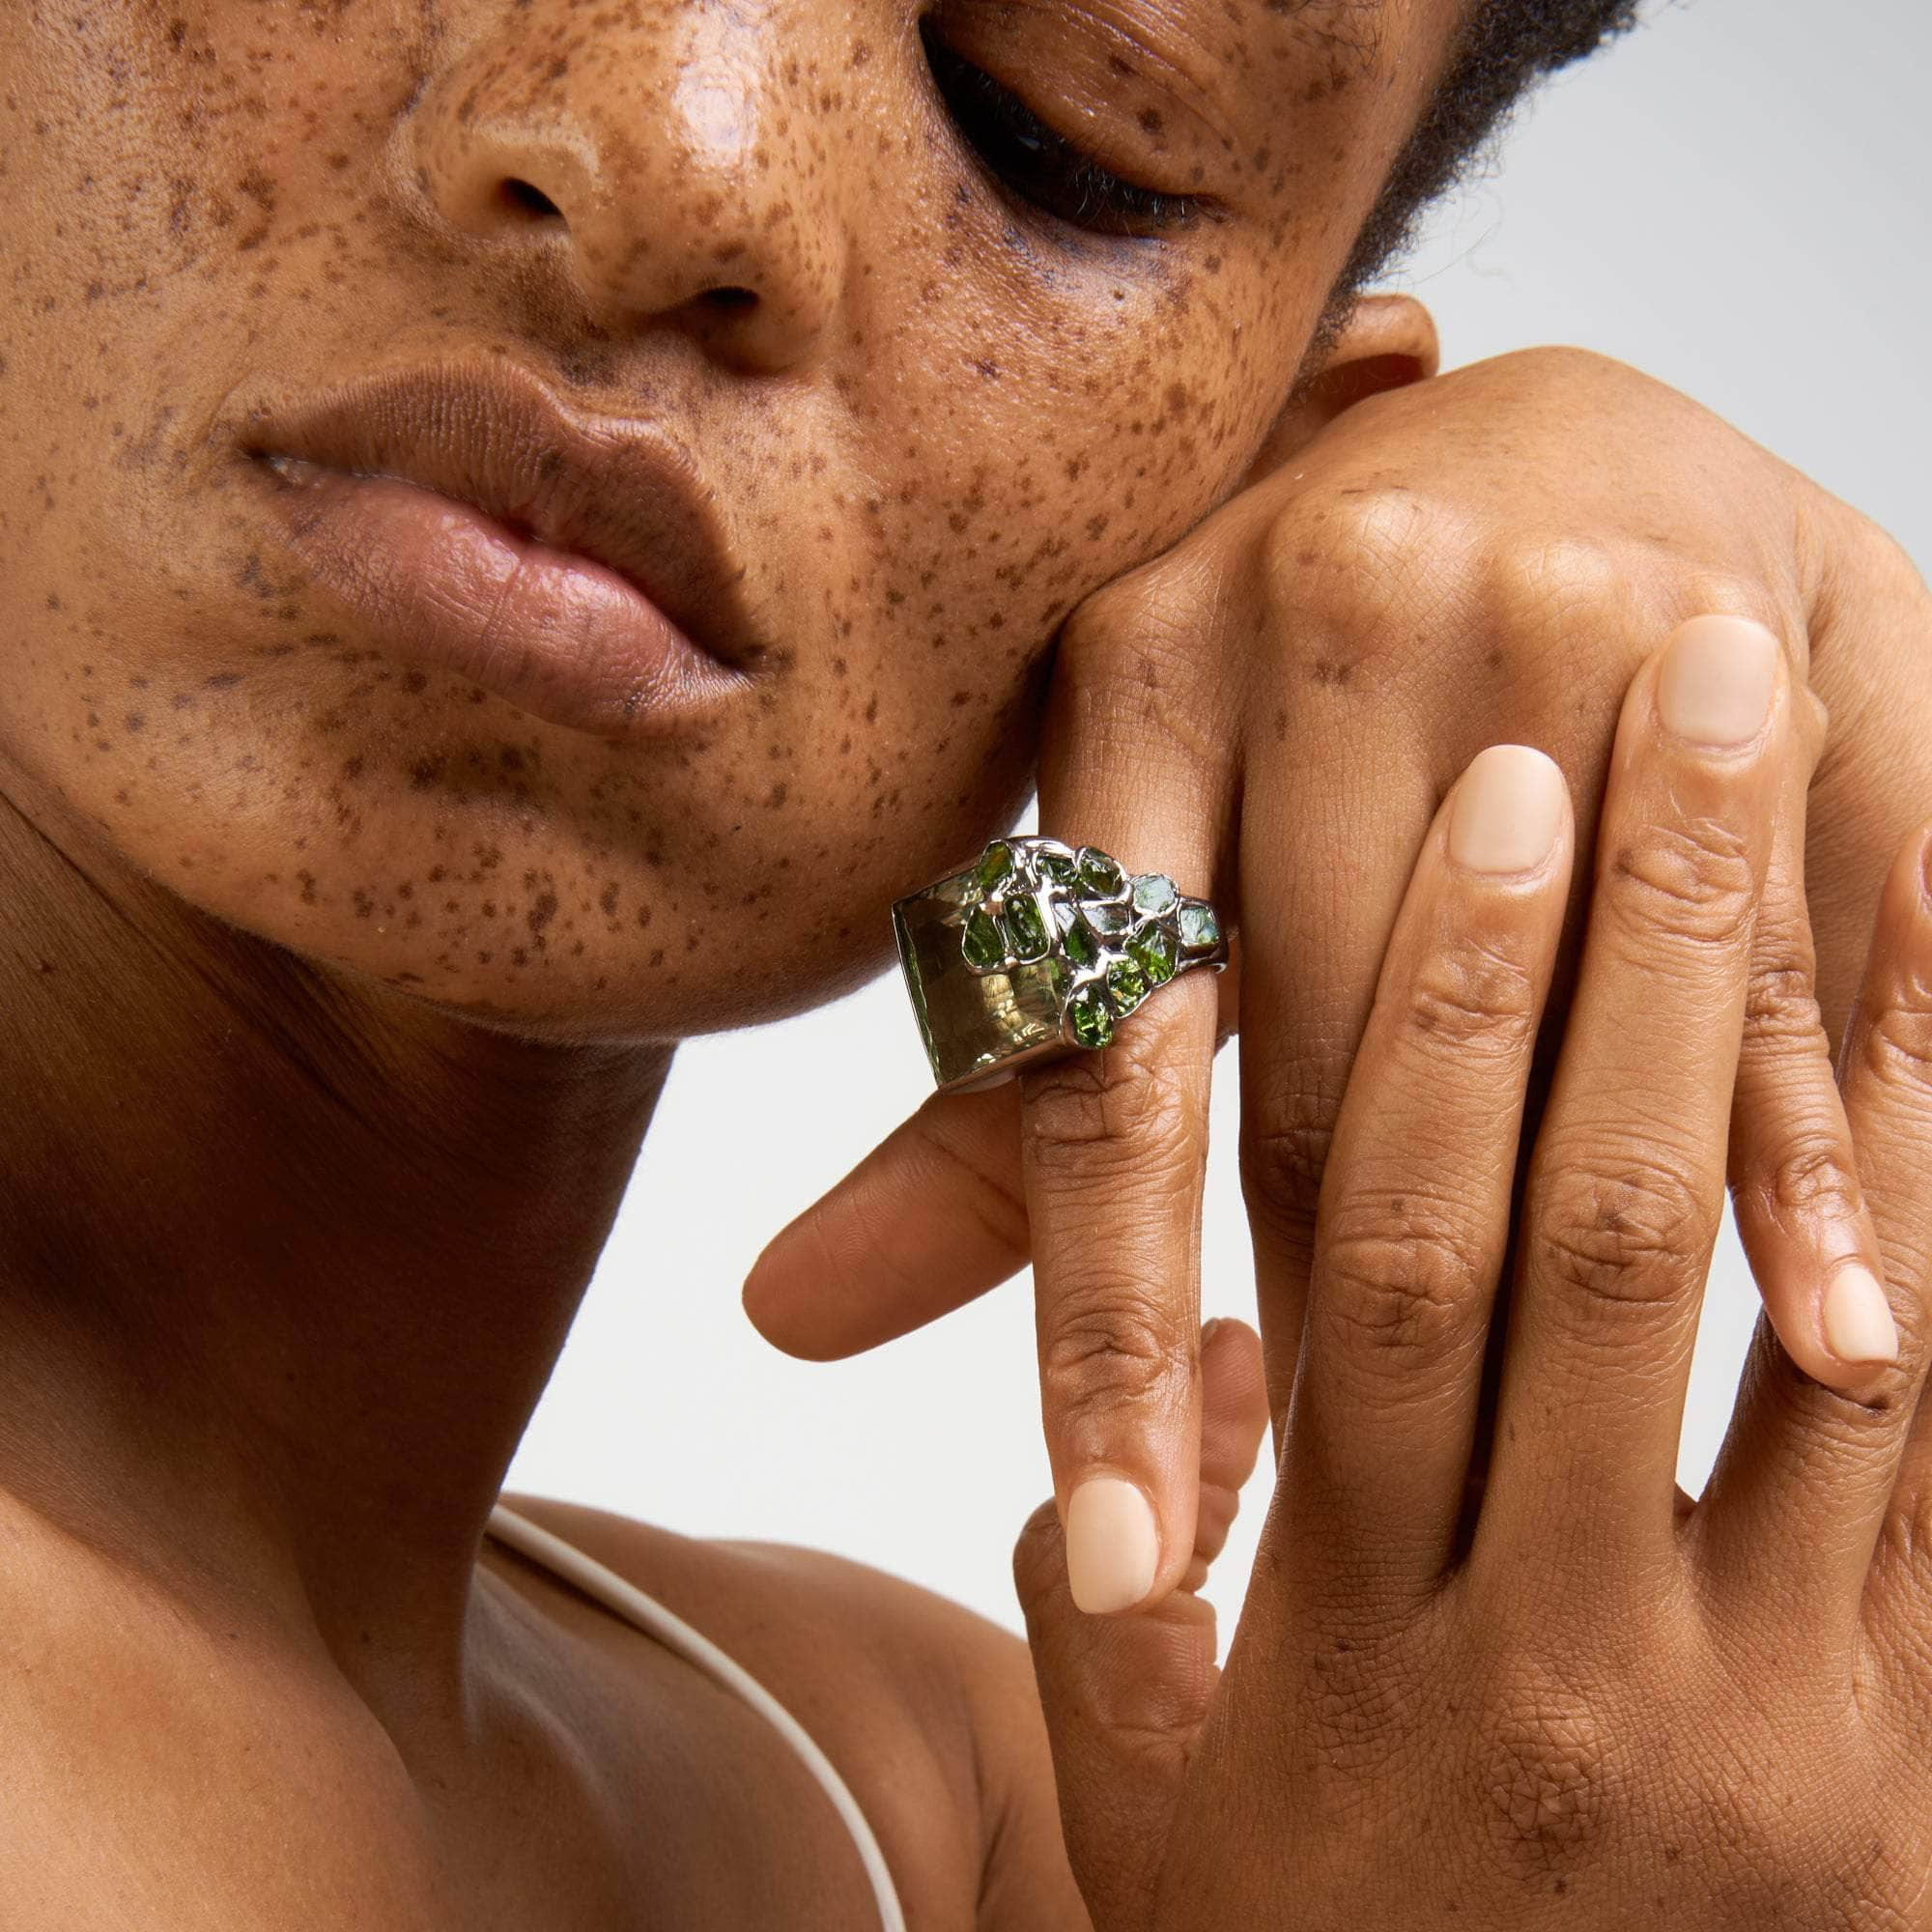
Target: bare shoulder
x,y
928,1711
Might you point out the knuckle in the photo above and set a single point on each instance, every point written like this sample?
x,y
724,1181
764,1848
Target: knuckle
x,y
1399,1280
1102,1118
1109,1347
1284,1165
1547,1778
1807,1173
1551,579
1616,1229
1335,562
1692,881
1475,995
1288,1127
1898,1037
1781,1000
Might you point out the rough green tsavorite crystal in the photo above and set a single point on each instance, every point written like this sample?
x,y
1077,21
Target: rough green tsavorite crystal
x,y
1059,868
1092,1023
1155,894
1199,927
1153,951
1127,983
996,863
1026,930
1099,873
981,944
1082,948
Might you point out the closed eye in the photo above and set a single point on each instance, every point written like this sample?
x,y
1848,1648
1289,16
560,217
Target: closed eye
x,y
1039,164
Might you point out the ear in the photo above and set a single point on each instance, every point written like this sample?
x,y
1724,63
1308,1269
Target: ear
x,y
1386,343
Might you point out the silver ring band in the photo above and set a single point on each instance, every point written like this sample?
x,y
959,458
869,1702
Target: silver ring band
x,y
1037,949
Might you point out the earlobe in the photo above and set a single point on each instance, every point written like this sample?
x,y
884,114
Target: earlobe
x,y
1388,342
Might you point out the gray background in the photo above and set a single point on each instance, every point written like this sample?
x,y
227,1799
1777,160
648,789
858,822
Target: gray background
x,y
1734,200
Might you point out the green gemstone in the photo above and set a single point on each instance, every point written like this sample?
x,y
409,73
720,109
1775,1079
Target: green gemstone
x,y
996,863
1199,927
1098,874
1059,868
1092,1023
1153,951
983,944
1082,948
1155,894
1024,927
1127,984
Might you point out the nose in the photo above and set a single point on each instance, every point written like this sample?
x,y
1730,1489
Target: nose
x,y
664,157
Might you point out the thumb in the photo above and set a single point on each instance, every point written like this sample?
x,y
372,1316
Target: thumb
x,y
1125,1695
930,1218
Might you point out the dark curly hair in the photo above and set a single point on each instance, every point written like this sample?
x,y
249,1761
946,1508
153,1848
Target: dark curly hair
x,y
1503,50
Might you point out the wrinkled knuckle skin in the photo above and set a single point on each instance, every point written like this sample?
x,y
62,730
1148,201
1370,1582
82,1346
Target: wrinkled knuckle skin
x,y
1283,1158
1898,1038
1780,1002
1546,1780
1692,882
1116,1117
1477,998
1808,1178
1111,1347
1617,1232
1397,1283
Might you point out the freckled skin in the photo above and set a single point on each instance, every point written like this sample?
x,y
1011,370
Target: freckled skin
x,y
932,420
338,994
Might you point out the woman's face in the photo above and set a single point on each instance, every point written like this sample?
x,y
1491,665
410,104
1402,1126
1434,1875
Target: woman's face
x,y
913,415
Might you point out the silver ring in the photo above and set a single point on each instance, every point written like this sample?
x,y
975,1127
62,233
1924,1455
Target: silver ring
x,y
1039,948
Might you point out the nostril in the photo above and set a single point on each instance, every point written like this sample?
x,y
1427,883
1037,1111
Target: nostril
x,y
730,298
523,194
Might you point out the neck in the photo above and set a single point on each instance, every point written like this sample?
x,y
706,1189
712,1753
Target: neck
x,y
285,1258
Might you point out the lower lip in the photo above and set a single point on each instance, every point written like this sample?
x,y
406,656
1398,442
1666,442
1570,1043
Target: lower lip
x,y
452,589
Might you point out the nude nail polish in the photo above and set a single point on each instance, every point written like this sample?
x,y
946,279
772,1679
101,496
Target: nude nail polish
x,y
1857,1319
1507,811
1113,1547
1715,682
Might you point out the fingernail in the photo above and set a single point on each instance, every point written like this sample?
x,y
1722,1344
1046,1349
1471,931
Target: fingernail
x,y
1715,682
1857,1319
1508,811
1113,1548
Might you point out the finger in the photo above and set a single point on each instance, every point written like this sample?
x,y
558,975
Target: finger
x,y
1625,1190
1124,1697
1306,993
1794,1182
929,1219
1806,1473
1114,1141
1415,1206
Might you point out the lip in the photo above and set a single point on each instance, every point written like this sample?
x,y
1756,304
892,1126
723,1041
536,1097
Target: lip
x,y
572,564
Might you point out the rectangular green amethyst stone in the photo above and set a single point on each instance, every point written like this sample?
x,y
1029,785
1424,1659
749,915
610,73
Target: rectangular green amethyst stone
x,y
979,1028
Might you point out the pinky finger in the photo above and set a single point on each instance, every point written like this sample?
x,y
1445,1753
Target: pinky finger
x,y
1805,1477
1795,1185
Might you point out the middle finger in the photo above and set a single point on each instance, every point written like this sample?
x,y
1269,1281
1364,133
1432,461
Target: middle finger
x,y
1625,1185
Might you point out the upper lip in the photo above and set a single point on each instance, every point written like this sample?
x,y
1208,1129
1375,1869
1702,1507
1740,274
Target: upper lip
x,y
618,491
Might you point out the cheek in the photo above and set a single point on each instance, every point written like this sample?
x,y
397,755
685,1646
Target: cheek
x,y
994,434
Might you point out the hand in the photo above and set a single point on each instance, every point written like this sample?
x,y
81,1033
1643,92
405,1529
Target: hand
x,y
1508,1677
1273,710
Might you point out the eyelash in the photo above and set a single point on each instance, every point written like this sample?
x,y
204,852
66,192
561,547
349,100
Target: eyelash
x,y
1038,164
